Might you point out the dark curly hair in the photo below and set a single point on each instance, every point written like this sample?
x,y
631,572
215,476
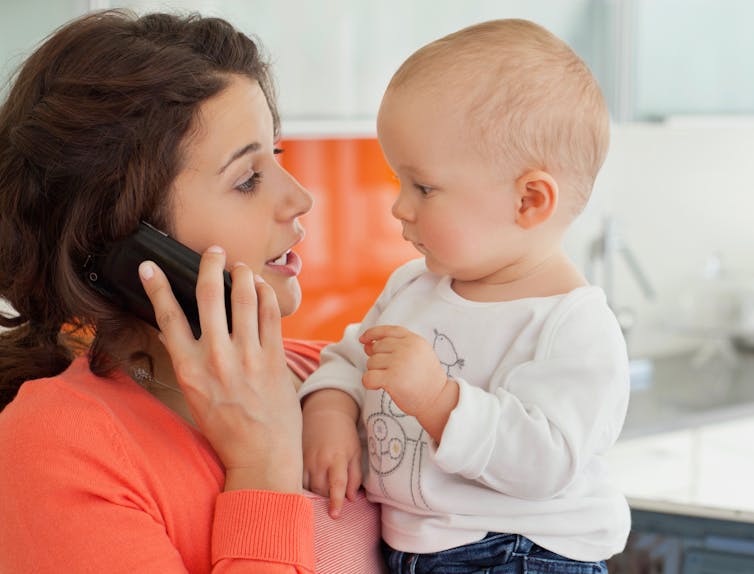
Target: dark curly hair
x,y
91,138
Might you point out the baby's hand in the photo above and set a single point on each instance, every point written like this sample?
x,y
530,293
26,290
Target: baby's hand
x,y
332,456
405,365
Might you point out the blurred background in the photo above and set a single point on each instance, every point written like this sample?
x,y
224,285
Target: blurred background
x,y
667,232
669,218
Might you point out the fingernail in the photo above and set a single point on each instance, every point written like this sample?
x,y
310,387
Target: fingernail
x,y
161,337
258,279
215,249
146,271
238,264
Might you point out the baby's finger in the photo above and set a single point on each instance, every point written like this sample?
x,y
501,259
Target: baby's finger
x,y
337,478
373,379
379,361
210,293
383,345
318,483
380,332
170,318
354,478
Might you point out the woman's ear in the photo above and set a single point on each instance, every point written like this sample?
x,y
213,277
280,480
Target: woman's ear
x,y
537,197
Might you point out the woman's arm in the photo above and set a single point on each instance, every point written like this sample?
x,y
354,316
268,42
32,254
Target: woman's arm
x,y
239,393
79,495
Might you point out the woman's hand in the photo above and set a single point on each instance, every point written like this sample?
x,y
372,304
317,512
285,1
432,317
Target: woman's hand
x,y
237,385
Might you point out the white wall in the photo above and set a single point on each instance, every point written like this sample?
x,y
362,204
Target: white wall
x,y
680,192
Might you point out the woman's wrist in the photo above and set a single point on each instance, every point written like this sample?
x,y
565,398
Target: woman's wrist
x,y
282,477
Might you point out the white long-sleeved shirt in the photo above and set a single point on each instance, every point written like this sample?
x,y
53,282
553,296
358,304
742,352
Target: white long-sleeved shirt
x,y
544,389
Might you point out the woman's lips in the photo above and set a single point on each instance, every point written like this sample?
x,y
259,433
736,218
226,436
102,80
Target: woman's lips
x,y
289,264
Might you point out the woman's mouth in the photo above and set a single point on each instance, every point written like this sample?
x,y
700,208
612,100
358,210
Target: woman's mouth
x,y
288,263
282,260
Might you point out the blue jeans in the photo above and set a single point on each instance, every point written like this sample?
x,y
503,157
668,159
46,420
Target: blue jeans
x,y
494,554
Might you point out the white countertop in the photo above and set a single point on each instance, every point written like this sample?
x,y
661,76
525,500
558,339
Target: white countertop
x,y
687,447
704,471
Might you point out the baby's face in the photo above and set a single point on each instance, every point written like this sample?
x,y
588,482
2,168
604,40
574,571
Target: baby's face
x,y
456,205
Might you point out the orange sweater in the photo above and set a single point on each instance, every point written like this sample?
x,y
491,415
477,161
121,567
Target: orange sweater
x,y
96,475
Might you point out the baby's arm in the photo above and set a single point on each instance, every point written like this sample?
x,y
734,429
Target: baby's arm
x,y
406,367
538,425
332,450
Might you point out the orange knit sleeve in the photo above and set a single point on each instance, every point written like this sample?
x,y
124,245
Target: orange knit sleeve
x,y
279,538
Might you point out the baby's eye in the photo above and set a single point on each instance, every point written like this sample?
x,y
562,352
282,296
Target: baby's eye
x,y
250,185
423,189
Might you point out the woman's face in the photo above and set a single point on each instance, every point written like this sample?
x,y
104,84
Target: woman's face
x,y
232,192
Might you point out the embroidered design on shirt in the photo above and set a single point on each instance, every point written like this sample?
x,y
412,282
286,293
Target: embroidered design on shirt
x,y
388,443
446,352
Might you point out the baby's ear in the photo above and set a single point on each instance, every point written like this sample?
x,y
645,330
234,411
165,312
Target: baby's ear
x,y
537,198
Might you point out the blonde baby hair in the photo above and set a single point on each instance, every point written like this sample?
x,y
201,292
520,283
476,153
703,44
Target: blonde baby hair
x,y
536,103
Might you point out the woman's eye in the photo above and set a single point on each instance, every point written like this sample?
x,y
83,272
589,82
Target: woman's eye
x,y
250,185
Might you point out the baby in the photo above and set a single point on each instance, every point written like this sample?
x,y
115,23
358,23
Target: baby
x,y
489,377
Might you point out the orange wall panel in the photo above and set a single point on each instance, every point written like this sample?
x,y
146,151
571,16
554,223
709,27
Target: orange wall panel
x,y
352,241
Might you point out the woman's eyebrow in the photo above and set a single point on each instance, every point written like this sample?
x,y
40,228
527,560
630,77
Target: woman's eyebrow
x,y
252,147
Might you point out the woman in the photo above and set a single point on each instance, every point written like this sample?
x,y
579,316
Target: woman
x,y
133,450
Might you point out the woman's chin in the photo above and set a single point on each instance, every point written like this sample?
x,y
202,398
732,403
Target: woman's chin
x,y
289,297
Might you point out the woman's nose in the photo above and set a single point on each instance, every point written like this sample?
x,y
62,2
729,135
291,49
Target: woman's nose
x,y
298,199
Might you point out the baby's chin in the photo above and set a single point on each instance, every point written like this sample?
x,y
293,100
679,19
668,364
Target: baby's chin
x,y
434,266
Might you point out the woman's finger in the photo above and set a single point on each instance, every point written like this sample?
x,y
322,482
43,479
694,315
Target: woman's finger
x,y
270,325
210,293
170,317
244,301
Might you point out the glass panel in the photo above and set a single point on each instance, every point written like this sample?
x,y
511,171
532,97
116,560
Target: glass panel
x,y
694,57
29,23
334,59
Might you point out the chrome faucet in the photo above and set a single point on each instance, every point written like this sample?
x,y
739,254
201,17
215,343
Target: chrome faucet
x,y
603,252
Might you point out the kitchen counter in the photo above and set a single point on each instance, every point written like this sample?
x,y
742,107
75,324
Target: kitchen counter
x,y
687,448
686,392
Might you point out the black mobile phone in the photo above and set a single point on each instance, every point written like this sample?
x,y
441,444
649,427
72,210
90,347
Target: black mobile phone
x,y
114,274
